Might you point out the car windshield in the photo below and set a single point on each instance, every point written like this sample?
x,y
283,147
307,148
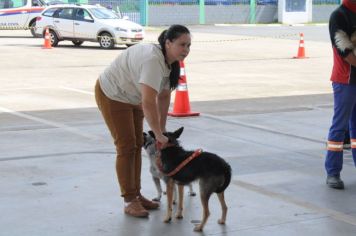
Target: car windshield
x,y
103,13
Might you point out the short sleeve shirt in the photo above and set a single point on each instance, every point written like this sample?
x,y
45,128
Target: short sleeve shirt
x,y
342,29
139,64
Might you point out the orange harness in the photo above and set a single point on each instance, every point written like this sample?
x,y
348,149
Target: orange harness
x,y
181,165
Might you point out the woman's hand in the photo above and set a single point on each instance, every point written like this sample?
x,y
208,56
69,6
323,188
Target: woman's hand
x,y
162,139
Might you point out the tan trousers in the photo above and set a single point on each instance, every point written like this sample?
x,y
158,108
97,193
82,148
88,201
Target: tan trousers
x,y
125,122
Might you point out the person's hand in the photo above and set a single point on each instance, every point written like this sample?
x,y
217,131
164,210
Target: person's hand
x,y
162,139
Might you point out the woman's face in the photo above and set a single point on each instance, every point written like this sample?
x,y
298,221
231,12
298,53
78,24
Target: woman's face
x,y
178,49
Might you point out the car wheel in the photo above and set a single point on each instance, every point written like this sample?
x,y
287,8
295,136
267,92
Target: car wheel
x,y
77,42
53,37
33,29
106,41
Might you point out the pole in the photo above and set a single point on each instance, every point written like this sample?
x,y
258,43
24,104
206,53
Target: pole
x,y
201,12
252,11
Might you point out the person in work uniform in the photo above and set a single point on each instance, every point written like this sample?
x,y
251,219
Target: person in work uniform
x,y
138,85
342,29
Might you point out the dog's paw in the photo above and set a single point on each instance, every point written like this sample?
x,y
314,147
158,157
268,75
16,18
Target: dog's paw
x,y
192,194
179,216
221,221
198,228
168,219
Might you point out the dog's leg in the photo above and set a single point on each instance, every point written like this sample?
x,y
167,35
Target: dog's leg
x,y
223,208
205,202
159,189
191,191
174,194
179,214
170,186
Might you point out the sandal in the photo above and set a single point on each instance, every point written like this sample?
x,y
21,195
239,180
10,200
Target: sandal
x,y
147,204
135,208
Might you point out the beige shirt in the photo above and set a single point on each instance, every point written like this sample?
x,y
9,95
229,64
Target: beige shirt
x,y
139,64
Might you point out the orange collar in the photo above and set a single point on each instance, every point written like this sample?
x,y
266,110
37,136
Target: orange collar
x,y
181,165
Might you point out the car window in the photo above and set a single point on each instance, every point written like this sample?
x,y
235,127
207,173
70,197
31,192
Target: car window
x,y
83,15
65,13
36,3
103,13
6,4
50,12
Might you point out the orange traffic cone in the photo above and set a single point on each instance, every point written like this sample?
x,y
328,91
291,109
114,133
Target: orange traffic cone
x,y
301,49
47,40
181,106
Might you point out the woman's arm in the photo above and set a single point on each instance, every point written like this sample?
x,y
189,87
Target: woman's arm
x,y
151,112
163,101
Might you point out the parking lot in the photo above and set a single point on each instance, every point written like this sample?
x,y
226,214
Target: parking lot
x,y
264,112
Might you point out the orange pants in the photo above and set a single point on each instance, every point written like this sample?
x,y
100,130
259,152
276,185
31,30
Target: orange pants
x,y
125,122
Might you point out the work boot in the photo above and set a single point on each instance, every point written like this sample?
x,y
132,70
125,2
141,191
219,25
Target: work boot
x,y
335,182
135,208
147,204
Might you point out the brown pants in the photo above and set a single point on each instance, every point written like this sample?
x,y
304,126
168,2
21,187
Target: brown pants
x,y
125,122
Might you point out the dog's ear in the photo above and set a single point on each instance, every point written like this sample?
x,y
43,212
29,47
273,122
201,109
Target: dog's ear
x,y
178,132
152,134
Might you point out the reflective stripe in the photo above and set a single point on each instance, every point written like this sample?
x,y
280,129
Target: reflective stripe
x,y
353,143
335,146
182,71
182,87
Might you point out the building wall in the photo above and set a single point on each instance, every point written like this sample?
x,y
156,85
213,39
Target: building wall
x,y
220,14
321,13
173,14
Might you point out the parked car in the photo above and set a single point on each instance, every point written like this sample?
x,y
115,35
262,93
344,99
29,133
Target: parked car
x,y
79,23
20,14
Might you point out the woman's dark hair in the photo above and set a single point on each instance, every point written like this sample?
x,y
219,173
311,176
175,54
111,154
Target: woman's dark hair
x,y
172,33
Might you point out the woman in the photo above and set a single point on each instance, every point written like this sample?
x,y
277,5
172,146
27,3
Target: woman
x,y
138,84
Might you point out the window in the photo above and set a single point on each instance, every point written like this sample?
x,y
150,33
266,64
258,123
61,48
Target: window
x,y
50,12
6,4
65,13
295,5
83,15
35,3
103,13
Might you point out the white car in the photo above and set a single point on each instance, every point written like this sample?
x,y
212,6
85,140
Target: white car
x,y
79,23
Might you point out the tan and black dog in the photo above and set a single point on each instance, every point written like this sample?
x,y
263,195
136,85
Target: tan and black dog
x,y
183,167
149,145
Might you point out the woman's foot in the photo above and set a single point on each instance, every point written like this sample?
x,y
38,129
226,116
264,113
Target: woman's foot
x,y
135,208
147,204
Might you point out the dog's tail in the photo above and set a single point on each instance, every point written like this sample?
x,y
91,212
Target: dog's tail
x,y
227,179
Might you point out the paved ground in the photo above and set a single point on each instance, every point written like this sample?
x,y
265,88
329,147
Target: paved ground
x,y
265,113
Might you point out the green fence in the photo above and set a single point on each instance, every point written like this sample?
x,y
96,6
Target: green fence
x,y
140,10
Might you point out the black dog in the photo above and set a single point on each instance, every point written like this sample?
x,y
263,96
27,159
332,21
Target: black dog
x,y
213,173
149,145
